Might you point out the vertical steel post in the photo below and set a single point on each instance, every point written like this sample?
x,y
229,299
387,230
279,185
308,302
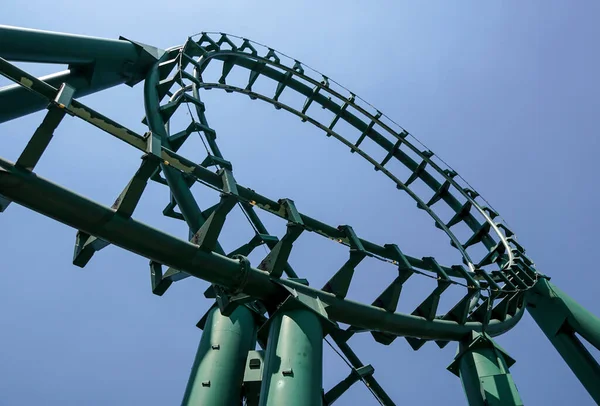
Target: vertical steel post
x,y
482,366
293,374
560,317
218,370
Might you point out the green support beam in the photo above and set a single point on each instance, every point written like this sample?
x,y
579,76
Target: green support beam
x,y
41,138
184,165
94,64
27,45
356,363
293,371
49,199
218,370
482,366
560,318
293,364
355,375
16,101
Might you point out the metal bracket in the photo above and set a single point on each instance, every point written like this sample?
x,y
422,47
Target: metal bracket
x,y
147,56
64,96
276,261
390,297
85,247
339,284
297,300
207,235
428,307
85,244
159,284
153,144
478,340
355,375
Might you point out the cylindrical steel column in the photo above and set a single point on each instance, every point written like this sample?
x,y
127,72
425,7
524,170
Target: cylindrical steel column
x,y
293,374
483,369
218,369
560,317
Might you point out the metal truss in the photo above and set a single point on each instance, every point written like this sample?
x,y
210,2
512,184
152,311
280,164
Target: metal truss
x,y
497,284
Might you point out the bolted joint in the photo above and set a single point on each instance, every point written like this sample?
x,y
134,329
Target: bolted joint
x,y
298,301
242,278
276,261
229,299
474,342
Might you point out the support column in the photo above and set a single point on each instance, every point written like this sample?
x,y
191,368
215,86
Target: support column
x,y
560,317
293,374
482,366
218,370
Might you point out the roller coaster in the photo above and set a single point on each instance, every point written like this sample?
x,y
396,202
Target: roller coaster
x,y
271,304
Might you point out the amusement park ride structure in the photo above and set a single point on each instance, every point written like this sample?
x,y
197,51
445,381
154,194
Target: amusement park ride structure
x,y
269,304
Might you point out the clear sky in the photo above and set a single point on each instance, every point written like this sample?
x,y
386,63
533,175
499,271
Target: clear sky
x,y
506,92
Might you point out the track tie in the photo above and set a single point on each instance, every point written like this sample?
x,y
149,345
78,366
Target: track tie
x,y
417,172
483,230
367,130
461,214
394,149
439,194
341,111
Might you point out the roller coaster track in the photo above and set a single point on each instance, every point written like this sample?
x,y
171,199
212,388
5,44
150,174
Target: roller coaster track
x,y
512,274
494,283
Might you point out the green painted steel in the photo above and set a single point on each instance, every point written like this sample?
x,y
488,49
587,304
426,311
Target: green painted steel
x,y
560,318
223,48
218,370
498,282
355,375
483,369
28,45
16,101
95,64
293,371
42,196
357,365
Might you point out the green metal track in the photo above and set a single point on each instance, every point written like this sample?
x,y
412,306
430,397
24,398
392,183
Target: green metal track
x,y
53,201
185,67
497,284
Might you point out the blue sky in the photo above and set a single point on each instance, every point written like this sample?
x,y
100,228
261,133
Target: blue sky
x,y
506,92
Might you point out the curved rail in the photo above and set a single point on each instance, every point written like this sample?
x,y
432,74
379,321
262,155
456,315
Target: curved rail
x,y
506,284
514,272
51,200
496,282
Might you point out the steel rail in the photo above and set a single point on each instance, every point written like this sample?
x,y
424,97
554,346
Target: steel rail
x,y
511,248
241,59
40,195
182,164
